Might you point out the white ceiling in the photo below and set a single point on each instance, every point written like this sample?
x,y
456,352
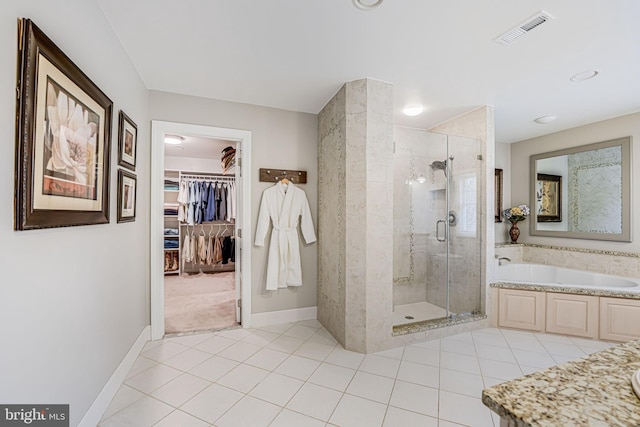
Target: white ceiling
x,y
198,148
295,55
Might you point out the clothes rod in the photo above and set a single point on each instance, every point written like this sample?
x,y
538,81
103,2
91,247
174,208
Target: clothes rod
x,y
273,175
209,177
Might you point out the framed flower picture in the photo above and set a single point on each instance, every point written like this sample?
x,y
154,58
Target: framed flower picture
x,y
127,141
62,139
126,196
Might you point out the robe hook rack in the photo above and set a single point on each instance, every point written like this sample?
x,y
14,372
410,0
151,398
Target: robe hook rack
x,y
272,175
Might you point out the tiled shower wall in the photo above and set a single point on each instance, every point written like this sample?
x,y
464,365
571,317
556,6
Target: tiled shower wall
x,y
355,193
331,220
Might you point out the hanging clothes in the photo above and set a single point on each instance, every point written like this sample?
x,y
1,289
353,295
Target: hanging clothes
x,y
209,260
217,249
187,255
231,199
193,249
282,205
201,200
198,203
191,204
183,199
202,249
210,206
228,249
222,207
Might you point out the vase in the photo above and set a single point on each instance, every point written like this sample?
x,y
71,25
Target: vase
x,y
514,232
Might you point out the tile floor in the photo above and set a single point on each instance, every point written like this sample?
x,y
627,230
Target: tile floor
x,y
297,375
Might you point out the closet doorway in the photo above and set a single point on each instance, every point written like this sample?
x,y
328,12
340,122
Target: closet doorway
x,y
203,209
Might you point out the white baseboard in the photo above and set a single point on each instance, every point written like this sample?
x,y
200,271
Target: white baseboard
x,y
94,414
283,316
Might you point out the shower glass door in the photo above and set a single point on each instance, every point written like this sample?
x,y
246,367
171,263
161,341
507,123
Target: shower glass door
x,y
437,195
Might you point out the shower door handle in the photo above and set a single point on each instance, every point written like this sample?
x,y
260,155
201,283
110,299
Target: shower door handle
x,y
438,238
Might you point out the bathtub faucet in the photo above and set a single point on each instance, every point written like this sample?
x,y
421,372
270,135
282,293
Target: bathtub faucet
x,y
503,258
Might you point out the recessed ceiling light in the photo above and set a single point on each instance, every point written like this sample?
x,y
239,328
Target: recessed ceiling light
x,y
585,75
173,140
367,4
545,119
413,110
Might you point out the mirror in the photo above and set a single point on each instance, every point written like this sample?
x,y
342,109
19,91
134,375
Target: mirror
x,y
583,192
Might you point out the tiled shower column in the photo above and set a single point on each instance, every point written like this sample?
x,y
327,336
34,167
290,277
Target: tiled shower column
x,y
356,215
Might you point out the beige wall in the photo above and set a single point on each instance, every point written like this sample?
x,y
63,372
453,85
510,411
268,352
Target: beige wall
x,y
628,125
503,161
72,300
279,139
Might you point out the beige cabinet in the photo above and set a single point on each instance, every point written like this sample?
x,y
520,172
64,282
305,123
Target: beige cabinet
x,y
619,319
521,309
575,315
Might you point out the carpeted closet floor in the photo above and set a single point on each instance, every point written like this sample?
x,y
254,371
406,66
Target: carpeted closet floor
x,y
199,302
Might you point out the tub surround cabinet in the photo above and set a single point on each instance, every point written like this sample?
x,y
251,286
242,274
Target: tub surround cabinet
x,y
521,309
619,319
575,315
588,316
593,391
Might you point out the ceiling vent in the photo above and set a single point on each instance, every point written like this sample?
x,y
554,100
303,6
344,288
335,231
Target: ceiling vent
x,y
520,30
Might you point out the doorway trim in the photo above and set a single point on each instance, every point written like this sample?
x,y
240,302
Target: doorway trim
x,y
158,131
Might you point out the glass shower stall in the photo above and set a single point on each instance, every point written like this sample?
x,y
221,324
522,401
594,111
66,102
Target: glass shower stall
x,y
437,219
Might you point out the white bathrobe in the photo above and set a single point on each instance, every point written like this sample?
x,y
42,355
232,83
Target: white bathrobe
x,y
283,205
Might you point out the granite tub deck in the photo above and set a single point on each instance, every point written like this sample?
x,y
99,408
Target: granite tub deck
x,y
600,292
591,392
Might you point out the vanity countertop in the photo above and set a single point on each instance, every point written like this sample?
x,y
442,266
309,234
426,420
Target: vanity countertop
x,y
592,391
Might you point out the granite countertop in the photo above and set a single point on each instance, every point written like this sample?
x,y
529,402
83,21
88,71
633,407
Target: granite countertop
x,y
594,291
591,392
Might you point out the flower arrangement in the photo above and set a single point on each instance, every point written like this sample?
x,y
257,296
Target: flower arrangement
x,y
517,213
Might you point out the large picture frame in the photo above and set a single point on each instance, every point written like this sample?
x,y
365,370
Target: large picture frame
x,y
63,133
127,187
127,141
548,198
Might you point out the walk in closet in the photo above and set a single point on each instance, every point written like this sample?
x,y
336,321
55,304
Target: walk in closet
x,y
200,209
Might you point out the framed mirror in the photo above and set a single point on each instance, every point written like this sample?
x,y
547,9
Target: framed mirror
x,y
583,192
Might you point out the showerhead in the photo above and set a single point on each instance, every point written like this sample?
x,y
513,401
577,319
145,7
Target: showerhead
x,y
439,165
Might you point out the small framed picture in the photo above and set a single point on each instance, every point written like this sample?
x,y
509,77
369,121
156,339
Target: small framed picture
x,y
127,141
126,196
549,198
